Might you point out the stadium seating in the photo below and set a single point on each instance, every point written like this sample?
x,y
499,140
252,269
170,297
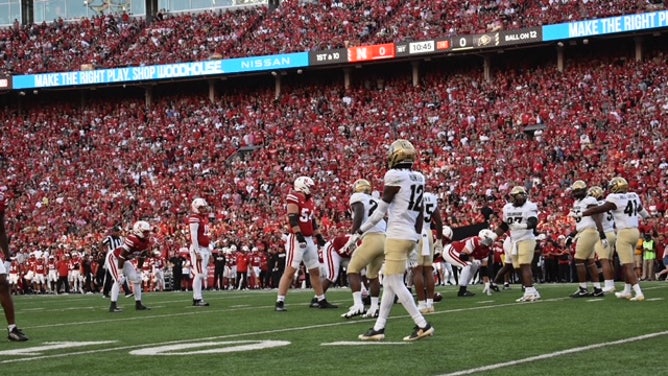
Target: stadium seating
x,y
114,41
602,116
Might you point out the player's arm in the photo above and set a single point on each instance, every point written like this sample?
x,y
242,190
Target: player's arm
x,y
194,227
357,209
293,218
501,229
4,241
643,212
607,206
420,220
293,222
437,224
316,232
389,192
125,252
142,258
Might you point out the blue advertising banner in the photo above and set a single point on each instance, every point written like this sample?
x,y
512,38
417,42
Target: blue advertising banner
x,y
603,26
160,72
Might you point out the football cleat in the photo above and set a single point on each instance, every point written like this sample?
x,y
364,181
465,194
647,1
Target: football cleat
x,y
581,293
528,298
494,287
200,303
638,298
419,333
314,303
371,313
425,310
114,308
129,295
16,335
465,293
324,304
623,295
598,293
373,335
353,311
280,307
487,291
608,290
140,307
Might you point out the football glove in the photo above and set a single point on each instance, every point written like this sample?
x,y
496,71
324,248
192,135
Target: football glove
x,y
352,241
301,240
412,259
320,239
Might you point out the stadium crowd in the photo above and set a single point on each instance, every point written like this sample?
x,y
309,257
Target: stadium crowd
x,y
602,116
108,41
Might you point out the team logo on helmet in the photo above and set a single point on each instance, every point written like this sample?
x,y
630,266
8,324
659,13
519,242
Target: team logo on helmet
x,y
579,189
596,192
141,229
447,232
400,152
362,185
304,184
618,185
199,205
518,195
487,237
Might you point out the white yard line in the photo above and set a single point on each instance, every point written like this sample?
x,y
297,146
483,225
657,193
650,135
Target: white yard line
x,y
555,354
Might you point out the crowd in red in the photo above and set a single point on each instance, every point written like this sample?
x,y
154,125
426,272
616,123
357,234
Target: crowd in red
x,y
72,172
112,41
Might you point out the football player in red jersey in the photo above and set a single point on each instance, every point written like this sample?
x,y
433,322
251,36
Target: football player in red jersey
x,y
333,256
52,276
462,254
13,332
301,243
199,247
135,245
39,276
159,265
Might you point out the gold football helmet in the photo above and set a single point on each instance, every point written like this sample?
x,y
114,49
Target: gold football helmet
x,y
596,192
401,151
518,195
579,189
362,185
618,185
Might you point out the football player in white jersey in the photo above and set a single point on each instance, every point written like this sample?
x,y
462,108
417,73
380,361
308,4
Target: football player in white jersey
x,y
402,202
588,232
605,250
520,217
369,254
625,207
423,273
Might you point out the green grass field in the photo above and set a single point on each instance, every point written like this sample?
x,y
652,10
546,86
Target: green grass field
x,y
240,334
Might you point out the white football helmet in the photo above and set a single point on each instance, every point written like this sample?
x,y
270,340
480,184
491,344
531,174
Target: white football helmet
x,y
447,232
487,237
304,184
141,229
199,206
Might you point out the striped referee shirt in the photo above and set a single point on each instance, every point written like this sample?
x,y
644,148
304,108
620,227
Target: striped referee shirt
x,y
112,242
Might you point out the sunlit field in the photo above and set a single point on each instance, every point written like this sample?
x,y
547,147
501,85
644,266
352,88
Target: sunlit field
x,y
240,334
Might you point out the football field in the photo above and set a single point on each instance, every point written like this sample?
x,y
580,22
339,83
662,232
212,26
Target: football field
x,y
240,334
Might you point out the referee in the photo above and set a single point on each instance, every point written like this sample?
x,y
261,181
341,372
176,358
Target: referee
x,y
112,242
